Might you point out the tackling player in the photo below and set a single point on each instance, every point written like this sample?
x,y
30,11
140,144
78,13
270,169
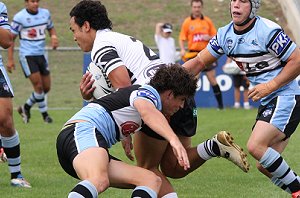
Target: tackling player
x,y
126,61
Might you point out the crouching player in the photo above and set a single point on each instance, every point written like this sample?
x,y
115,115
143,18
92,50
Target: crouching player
x,y
82,145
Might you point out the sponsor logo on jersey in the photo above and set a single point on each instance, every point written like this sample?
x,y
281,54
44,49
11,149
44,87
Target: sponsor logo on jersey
x,y
129,127
198,37
150,71
147,94
215,45
241,40
254,42
3,19
229,43
279,43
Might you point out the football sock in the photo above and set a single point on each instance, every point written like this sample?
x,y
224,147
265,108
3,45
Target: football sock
x,y
208,149
84,189
11,147
143,192
281,185
170,195
218,95
276,165
31,100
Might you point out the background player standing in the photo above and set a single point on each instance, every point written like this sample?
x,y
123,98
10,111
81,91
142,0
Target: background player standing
x,y
30,24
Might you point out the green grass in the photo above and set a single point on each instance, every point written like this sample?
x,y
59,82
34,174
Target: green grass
x,y
217,178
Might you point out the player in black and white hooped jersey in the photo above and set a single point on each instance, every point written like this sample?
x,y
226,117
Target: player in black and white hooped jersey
x,y
126,60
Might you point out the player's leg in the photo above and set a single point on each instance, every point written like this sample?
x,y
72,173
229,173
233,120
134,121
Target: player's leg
x,y
9,136
43,105
144,182
276,121
148,152
237,93
221,145
211,76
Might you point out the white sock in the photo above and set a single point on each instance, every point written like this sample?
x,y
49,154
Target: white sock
x,y
204,150
170,195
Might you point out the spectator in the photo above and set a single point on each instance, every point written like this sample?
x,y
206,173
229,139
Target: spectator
x,y
30,25
196,31
165,42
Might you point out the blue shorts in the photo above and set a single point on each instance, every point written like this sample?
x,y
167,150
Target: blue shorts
x,y
283,112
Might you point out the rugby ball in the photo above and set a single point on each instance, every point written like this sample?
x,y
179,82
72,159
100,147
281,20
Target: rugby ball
x,y
231,68
102,83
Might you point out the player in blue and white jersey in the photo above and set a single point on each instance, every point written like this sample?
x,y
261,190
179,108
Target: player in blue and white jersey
x,y
30,24
9,135
271,61
83,143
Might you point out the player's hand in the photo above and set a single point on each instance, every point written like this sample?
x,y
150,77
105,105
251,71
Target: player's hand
x,y
262,90
86,86
182,52
10,66
180,153
54,42
128,146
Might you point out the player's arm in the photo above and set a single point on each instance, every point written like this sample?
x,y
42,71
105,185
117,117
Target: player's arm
x,y
158,28
54,39
158,123
10,54
119,77
197,64
290,71
5,38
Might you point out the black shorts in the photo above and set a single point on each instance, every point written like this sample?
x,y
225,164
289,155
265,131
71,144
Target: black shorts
x,y
67,150
5,86
33,64
240,80
183,122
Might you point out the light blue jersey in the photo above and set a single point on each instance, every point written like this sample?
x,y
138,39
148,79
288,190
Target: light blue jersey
x,y
114,115
6,88
31,29
3,23
261,51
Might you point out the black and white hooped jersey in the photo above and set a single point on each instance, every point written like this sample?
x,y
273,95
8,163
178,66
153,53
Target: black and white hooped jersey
x,y
113,49
114,115
261,51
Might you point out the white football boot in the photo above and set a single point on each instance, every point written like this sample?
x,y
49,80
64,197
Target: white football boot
x,y
231,151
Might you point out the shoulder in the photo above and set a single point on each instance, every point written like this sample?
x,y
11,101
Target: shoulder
x,y
19,16
44,11
3,8
206,18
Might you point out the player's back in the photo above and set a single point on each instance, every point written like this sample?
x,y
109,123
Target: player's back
x,y
112,49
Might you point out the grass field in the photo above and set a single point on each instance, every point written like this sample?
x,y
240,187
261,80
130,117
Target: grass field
x,y
217,178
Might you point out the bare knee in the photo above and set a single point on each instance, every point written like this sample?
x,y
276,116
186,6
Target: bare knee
x,y
153,181
6,126
101,183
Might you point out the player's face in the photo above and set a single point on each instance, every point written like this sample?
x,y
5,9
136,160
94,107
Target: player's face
x,y
80,36
32,5
196,9
240,10
172,104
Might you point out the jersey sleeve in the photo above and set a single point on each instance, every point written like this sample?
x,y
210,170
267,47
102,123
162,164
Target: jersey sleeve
x,y
214,47
184,31
16,24
3,16
148,93
106,56
49,21
280,45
